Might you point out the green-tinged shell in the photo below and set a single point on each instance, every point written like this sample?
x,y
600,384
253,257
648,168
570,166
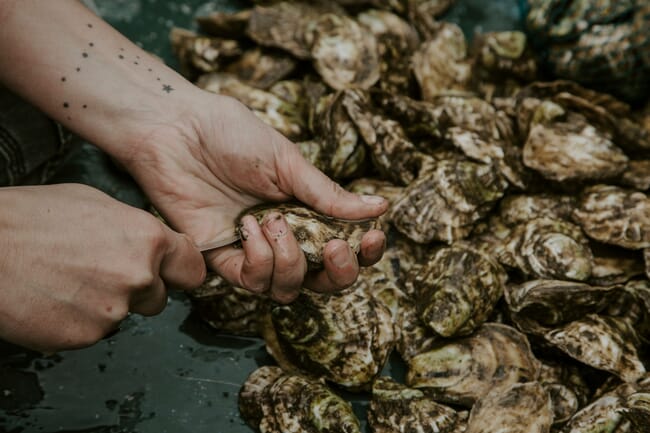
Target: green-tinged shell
x,y
398,408
563,146
201,54
517,408
228,308
466,369
549,248
262,69
567,389
520,208
615,215
286,116
274,402
445,201
440,64
393,154
344,337
344,53
457,289
342,154
605,343
314,230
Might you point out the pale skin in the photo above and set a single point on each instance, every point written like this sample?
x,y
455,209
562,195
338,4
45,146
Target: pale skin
x,y
76,262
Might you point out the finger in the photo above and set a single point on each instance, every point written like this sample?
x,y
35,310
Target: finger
x,y
150,301
182,266
373,244
289,263
341,268
309,185
257,266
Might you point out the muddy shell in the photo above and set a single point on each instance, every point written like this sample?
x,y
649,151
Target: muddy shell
x,y
615,215
344,337
520,208
464,370
201,54
274,402
397,408
262,69
457,289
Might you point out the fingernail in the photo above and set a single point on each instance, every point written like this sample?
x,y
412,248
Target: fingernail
x,y
341,256
372,199
246,226
276,225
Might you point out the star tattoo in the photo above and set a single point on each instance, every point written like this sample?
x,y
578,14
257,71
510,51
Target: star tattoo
x,y
167,88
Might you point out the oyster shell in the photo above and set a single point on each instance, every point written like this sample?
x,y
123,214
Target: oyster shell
x,y
517,408
284,115
549,248
344,337
274,402
397,408
201,54
637,175
457,289
614,265
567,389
344,54
313,230
466,369
445,201
440,64
615,215
225,24
516,209
228,308
261,69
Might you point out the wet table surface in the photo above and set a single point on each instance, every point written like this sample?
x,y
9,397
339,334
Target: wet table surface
x,y
169,373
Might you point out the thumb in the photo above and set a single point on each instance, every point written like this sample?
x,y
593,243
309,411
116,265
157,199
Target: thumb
x,y
311,186
182,266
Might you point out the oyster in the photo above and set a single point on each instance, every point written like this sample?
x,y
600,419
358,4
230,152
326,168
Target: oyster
x,y
592,154
397,408
548,248
225,24
516,209
464,370
517,408
261,69
445,201
285,116
313,230
227,308
457,289
614,265
615,215
440,64
637,175
382,188
274,402
393,155
567,389
202,54
396,41
343,53
344,337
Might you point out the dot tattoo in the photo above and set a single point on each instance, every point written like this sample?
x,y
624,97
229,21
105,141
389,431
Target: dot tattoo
x,y
90,44
84,55
90,26
84,106
135,63
66,105
78,69
62,78
121,57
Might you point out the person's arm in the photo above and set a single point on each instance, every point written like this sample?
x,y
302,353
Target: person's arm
x,y
201,158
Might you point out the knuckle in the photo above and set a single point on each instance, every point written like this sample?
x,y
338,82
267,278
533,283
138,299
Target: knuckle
x,y
142,280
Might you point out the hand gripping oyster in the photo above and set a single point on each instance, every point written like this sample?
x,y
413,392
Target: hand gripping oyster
x,y
549,248
440,64
397,408
344,53
518,408
313,230
227,308
457,289
344,337
615,215
466,369
274,402
445,201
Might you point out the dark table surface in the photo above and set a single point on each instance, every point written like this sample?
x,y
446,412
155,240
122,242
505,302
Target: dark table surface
x,y
169,373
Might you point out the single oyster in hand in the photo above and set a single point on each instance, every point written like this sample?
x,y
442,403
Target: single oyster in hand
x,y
457,289
397,408
344,337
274,402
466,369
518,408
615,215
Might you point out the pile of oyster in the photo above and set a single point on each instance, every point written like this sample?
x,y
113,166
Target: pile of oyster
x,y
515,281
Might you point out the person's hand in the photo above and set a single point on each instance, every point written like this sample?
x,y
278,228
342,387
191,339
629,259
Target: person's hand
x,y
75,262
218,159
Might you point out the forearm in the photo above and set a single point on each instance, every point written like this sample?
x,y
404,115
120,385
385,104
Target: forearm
x,y
83,73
